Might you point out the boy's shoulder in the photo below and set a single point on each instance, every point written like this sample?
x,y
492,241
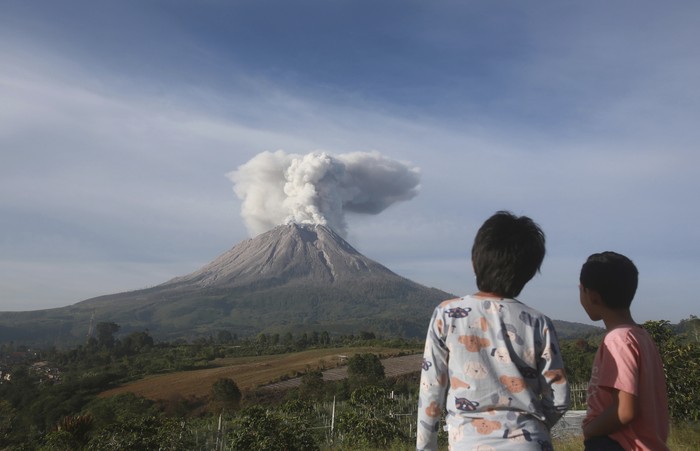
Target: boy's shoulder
x,y
629,334
514,307
450,302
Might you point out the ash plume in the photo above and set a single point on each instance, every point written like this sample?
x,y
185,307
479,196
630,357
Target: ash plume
x,y
319,188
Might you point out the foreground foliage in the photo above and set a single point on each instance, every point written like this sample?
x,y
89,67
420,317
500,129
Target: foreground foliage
x,y
365,411
681,359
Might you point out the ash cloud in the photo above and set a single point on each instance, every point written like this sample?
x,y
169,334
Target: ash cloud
x,y
319,188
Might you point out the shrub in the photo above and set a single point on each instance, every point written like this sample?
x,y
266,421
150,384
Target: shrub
x,y
225,395
682,368
368,420
365,369
257,428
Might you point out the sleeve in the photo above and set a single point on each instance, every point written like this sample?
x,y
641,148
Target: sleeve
x,y
433,384
556,398
620,364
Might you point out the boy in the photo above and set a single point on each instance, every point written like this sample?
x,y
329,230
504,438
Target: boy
x,y
627,403
490,360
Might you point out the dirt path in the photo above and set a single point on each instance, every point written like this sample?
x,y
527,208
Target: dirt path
x,y
393,366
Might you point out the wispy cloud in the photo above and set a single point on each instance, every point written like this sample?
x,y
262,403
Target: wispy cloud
x,y
118,125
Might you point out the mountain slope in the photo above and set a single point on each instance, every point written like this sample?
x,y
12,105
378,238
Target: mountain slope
x,y
311,253
291,278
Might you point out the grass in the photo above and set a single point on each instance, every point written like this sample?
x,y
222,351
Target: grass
x,y
683,437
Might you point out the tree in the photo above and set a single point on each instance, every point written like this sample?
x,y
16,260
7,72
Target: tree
x,y
365,335
691,327
303,341
661,331
120,408
71,432
225,395
262,340
224,337
578,360
144,433
312,385
136,342
7,417
105,334
365,369
682,369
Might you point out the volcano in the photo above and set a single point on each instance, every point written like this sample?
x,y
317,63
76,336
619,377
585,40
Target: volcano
x,y
292,278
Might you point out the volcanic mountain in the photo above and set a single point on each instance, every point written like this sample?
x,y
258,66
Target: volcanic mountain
x,y
291,278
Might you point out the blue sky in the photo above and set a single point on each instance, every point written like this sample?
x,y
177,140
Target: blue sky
x,y
119,121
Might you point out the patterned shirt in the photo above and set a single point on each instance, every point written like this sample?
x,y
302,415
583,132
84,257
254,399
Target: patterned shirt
x,y
495,366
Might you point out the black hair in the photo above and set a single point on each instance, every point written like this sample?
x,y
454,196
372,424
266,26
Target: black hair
x,y
613,276
508,251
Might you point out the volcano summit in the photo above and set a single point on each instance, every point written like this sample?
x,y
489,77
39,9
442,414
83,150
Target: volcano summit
x,y
292,278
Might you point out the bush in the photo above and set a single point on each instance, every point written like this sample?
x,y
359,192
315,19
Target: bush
x,y
225,396
682,368
366,422
365,369
142,434
257,428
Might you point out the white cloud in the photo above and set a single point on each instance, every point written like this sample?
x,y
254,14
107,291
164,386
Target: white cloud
x,y
584,127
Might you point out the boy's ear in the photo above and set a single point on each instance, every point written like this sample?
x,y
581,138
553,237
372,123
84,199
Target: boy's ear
x,y
594,297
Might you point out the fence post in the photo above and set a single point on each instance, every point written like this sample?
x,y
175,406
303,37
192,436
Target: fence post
x,y
333,417
219,439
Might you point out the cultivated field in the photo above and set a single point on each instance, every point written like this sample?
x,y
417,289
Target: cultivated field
x,y
253,372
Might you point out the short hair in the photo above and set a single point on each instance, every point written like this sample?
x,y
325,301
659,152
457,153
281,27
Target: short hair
x,y
613,276
508,251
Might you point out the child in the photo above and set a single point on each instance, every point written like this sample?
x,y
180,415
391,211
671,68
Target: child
x,y
490,360
627,404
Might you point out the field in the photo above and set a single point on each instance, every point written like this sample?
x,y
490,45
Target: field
x,y
282,371
252,372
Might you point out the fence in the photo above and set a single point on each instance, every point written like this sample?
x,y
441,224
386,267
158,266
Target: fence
x,y
405,411
578,396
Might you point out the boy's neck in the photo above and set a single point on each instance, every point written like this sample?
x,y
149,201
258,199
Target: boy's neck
x,y
617,318
483,294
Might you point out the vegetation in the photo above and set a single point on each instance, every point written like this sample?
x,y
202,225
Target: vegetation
x,y
681,358
225,396
368,420
69,400
285,428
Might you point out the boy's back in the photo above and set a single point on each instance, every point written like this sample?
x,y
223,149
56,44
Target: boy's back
x,y
506,383
491,361
627,400
628,360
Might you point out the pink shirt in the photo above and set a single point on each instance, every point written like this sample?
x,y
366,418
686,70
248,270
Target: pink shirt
x,y
628,360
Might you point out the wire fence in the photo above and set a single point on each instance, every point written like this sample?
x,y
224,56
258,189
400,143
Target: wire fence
x,y
402,410
405,410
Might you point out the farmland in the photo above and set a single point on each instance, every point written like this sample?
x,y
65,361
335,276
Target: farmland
x,y
253,372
